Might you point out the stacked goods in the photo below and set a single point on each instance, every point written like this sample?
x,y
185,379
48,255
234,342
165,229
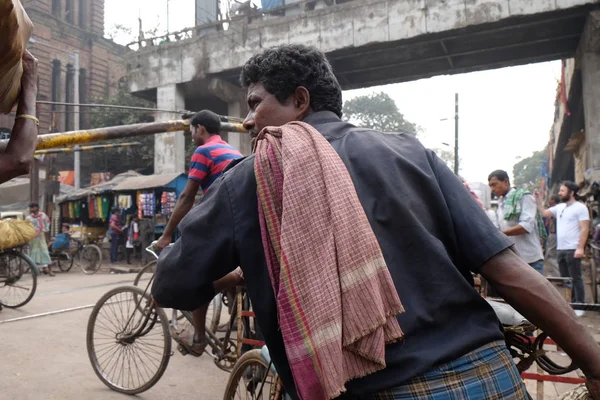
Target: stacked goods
x,y
15,233
15,31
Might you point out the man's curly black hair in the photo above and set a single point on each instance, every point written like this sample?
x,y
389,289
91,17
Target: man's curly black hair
x,y
284,68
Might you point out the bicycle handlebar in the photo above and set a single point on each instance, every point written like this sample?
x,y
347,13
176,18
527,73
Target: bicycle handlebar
x,y
154,250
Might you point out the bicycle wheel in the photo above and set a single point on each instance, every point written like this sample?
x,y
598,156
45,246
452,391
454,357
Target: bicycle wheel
x,y
18,279
128,343
65,264
90,259
251,378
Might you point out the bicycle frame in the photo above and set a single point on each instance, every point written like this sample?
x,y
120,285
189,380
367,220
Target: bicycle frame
x,y
217,345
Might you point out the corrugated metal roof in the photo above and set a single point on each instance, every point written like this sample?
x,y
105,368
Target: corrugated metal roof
x,y
97,189
145,182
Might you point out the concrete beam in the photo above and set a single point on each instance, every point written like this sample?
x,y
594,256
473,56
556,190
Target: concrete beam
x,y
406,30
226,92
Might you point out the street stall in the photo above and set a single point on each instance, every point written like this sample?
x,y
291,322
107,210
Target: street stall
x,y
152,198
87,210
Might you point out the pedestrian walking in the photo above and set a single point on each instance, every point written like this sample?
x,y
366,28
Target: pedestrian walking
x,y
518,218
115,229
38,247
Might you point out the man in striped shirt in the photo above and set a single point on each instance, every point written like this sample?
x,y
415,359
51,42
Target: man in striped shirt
x,y
211,156
213,153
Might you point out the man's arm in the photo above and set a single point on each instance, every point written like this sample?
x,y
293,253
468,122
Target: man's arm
x,y
583,237
182,207
534,297
205,253
546,213
527,218
18,156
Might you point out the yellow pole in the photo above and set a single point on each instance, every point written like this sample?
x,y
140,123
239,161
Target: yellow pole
x,y
67,139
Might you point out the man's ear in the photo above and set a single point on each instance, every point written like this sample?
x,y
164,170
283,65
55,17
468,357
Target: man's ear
x,y
302,101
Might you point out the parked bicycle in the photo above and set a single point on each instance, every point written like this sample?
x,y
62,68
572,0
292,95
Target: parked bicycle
x,y
128,337
87,255
18,278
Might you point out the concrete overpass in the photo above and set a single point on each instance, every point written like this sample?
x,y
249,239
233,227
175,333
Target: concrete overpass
x,y
369,42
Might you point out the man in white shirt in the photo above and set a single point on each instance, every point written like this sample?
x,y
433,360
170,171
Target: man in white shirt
x,y
572,230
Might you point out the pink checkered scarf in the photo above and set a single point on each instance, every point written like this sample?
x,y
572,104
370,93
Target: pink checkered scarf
x,y
336,301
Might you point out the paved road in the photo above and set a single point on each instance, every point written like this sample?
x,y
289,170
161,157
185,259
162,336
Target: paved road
x,y
45,357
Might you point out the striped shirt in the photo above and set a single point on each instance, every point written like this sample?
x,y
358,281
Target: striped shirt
x,y
209,160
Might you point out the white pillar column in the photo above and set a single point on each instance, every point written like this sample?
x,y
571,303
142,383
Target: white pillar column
x,y
169,147
240,141
589,51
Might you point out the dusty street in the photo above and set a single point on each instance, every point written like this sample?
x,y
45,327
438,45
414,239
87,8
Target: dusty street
x,y
45,357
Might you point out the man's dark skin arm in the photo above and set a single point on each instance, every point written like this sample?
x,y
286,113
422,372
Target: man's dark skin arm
x,y
183,206
535,298
17,158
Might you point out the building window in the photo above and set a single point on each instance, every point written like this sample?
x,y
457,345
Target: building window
x,y
69,11
83,14
82,97
69,97
56,7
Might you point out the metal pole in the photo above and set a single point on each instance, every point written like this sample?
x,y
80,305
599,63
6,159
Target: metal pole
x,y
34,181
167,17
77,166
65,139
456,134
77,154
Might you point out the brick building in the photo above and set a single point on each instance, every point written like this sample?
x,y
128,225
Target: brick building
x,y
62,28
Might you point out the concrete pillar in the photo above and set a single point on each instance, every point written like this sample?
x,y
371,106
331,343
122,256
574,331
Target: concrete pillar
x,y
589,53
169,147
235,138
235,97
240,141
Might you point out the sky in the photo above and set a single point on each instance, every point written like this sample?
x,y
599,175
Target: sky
x,y
504,114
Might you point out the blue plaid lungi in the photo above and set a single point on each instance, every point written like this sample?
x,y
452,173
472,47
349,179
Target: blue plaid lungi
x,y
486,373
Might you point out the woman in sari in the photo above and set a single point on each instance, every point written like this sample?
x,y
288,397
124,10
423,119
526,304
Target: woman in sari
x,y
38,248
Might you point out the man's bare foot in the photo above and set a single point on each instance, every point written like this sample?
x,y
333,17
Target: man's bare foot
x,y
186,339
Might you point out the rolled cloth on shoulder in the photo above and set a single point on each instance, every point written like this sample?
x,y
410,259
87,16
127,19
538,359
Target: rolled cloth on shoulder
x,y
323,260
15,31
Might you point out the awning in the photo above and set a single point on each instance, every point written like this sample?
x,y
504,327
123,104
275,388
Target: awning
x,y
97,189
17,190
146,182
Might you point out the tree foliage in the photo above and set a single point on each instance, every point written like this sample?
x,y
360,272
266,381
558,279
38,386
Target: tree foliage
x,y
117,160
446,156
377,111
528,171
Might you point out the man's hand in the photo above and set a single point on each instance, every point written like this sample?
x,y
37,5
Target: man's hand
x,y
579,253
163,242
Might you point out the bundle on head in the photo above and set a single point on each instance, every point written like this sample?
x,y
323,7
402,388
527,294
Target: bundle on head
x,y
15,233
15,31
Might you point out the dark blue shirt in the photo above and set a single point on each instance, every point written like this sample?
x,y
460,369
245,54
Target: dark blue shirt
x,y
431,231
